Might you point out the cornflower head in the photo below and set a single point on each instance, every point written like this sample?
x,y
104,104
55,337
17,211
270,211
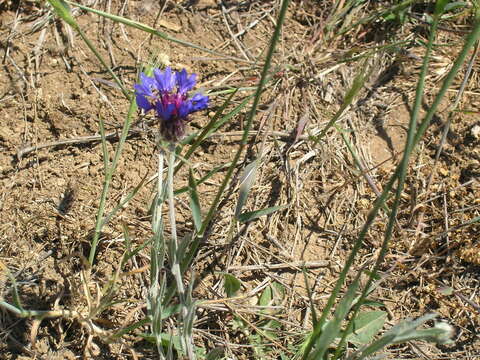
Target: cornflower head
x,y
167,94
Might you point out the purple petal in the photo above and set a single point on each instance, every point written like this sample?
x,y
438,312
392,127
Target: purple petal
x,y
165,112
143,91
184,109
199,102
185,82
143,103
146,85
165,79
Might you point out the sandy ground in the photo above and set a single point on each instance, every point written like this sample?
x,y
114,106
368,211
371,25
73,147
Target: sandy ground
x,y
53,90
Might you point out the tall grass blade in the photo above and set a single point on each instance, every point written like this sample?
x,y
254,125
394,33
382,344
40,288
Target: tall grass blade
x,y
252,215
124,201
323,337
108,178
248,125
194,201
397,334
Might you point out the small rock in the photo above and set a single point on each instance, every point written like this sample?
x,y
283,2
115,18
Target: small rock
x,y
476,131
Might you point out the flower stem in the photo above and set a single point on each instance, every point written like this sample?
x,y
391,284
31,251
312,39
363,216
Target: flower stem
x,y
176,256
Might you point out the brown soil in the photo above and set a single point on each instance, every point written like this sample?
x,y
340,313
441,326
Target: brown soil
x,y
52,88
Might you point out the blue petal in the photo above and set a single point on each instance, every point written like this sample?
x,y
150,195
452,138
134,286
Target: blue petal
x,y
199,102
140,89
143,103
184,109
165,80
185,82
165,112
146,85
143,91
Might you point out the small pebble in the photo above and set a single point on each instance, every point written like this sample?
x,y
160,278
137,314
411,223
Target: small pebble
x,y
476,131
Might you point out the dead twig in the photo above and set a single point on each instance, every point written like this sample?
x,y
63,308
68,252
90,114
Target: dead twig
x,y
74,141
287,265
135,131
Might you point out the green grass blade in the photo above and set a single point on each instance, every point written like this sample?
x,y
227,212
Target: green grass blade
x,y
360,166
104,146
251,115
399,332
206,130
16,297
62,9
108,178
252,215
229,116
323,338
194,201
401,169
203,179
310,297
17,311
365,326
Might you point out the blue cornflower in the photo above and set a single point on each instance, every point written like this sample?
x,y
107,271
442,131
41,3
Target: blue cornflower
x,y
167,93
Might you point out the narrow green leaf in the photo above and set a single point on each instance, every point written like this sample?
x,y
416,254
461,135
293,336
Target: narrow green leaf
x,y
168,340
365,326
266,297
224,119
455,5
130,328
232,285
211,125
372,303
106,160
252,215
203,179
16,297
123,203
404,331
323,337
194,201
62,9
135,251
374,347
310,297
440,6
